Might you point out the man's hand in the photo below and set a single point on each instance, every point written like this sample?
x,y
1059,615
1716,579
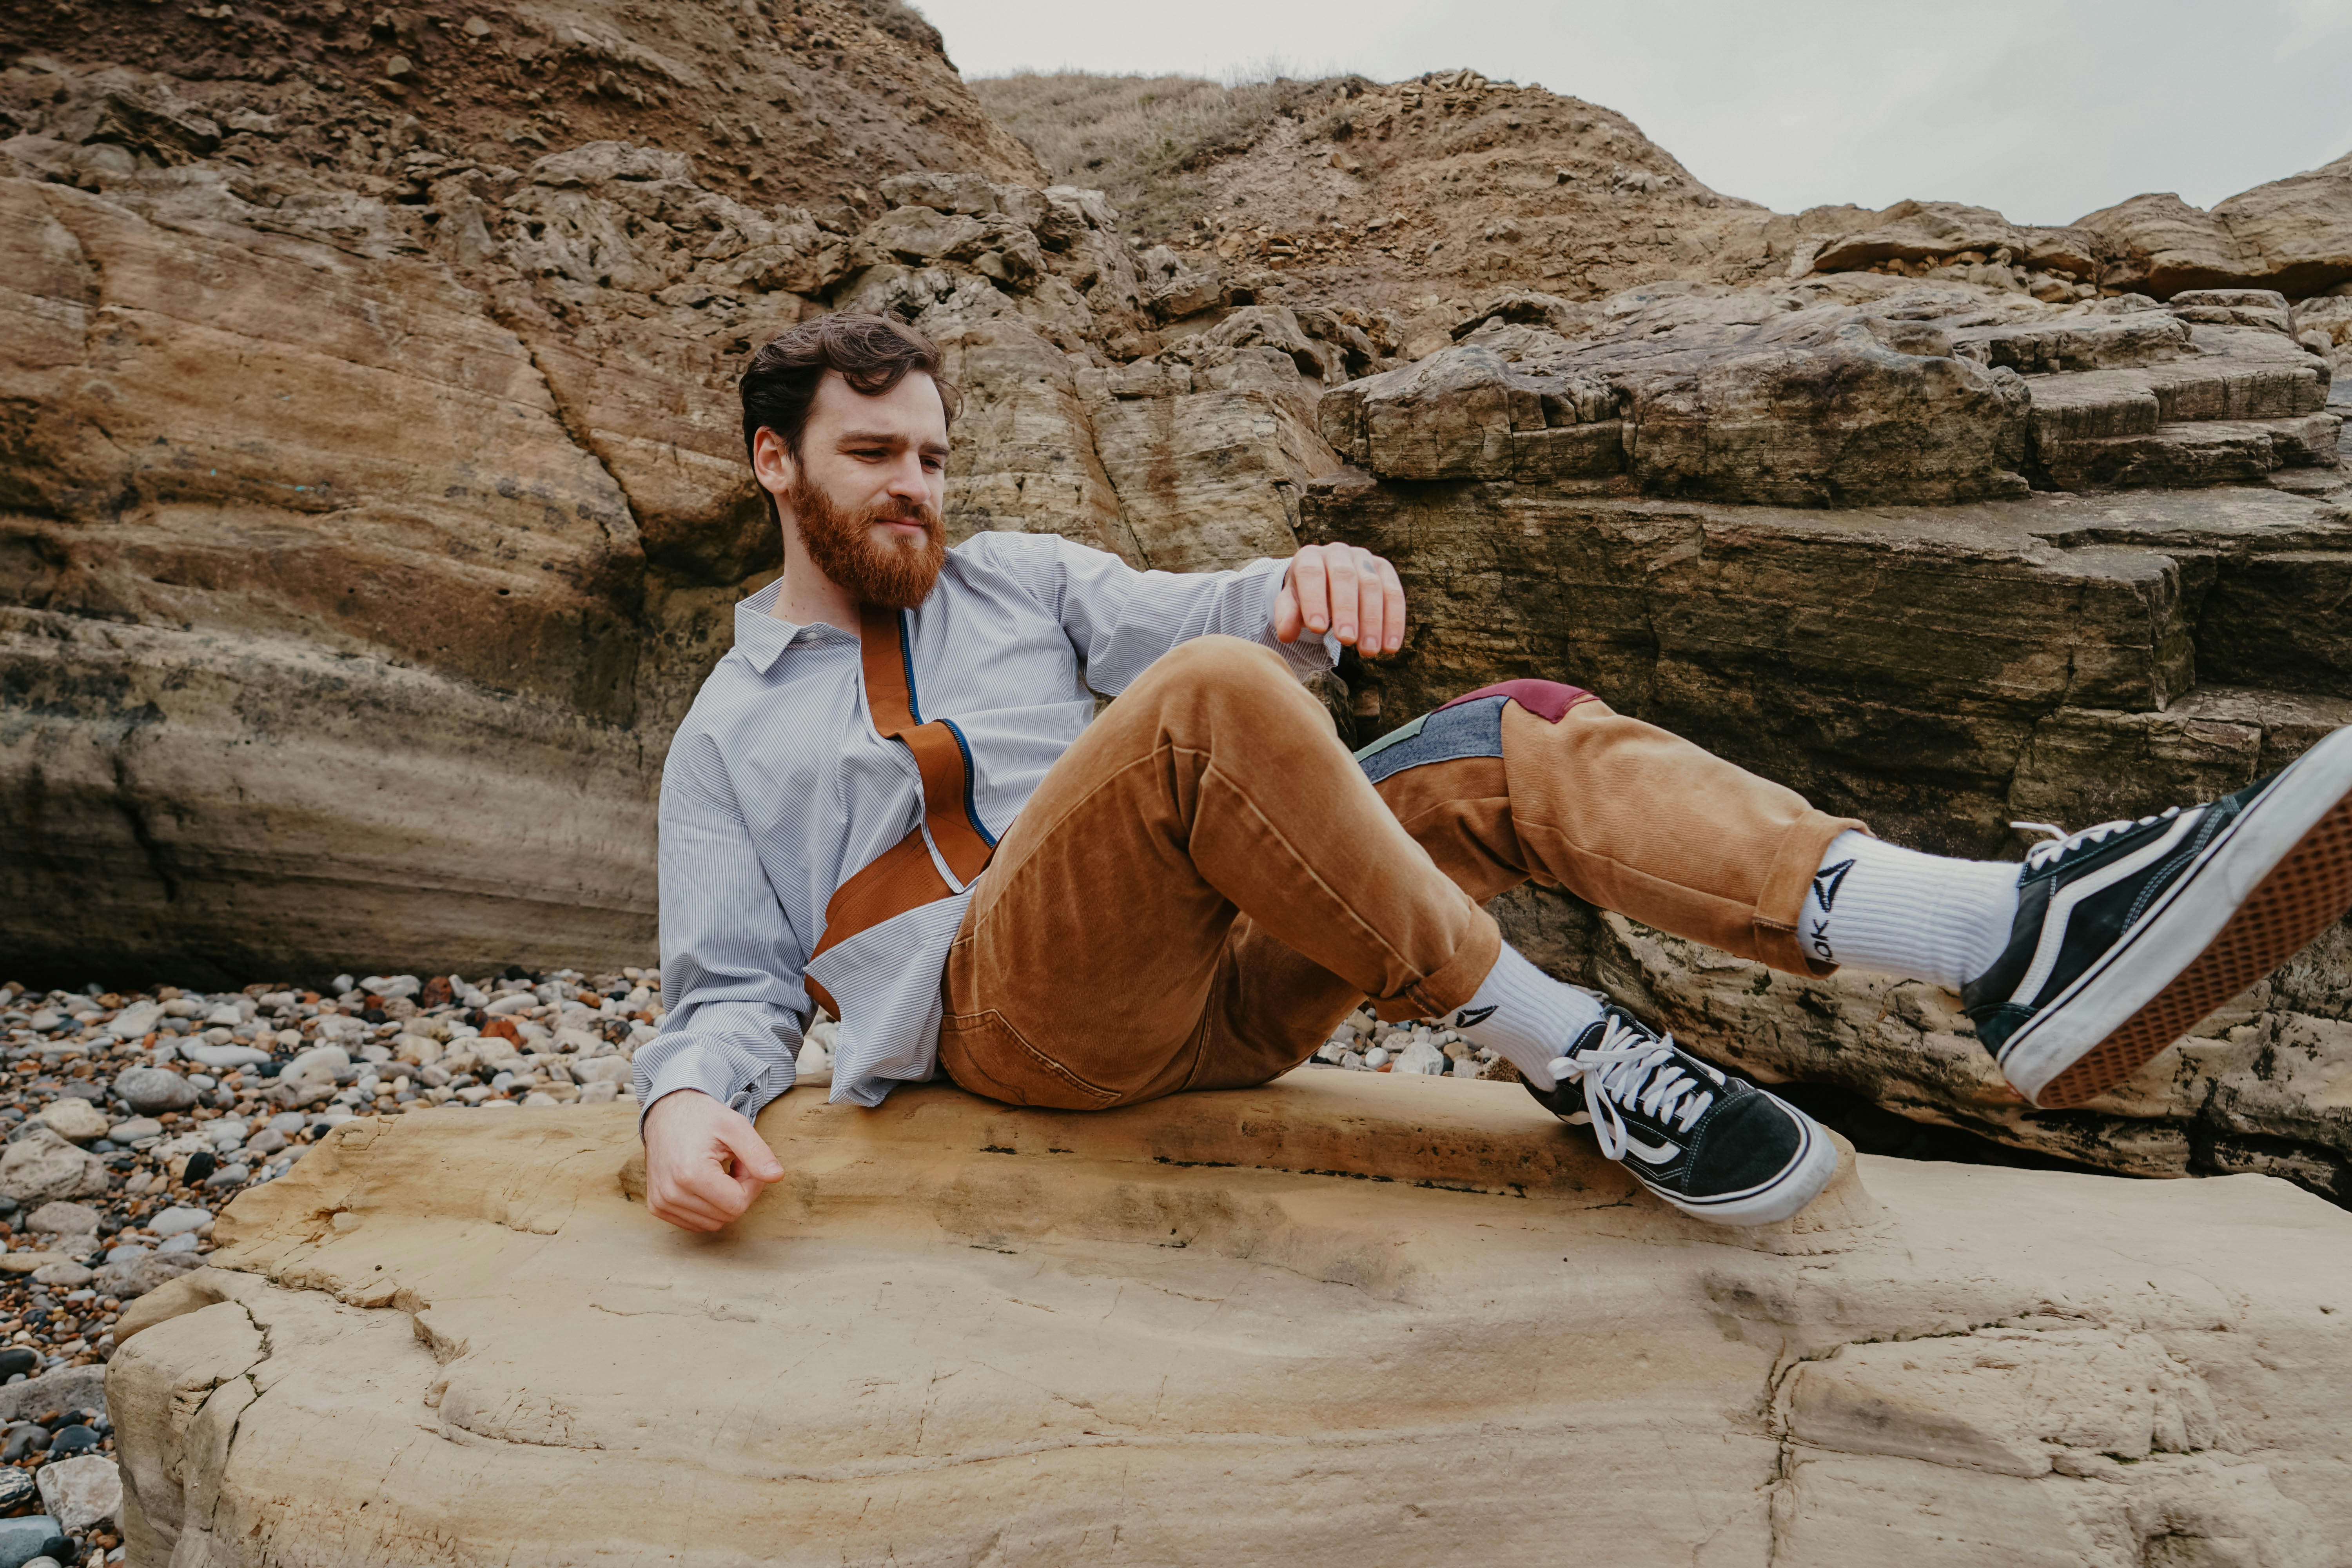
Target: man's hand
x,y
704,1163
1349,593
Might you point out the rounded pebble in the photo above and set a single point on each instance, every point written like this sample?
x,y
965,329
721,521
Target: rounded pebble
x,y
151,1090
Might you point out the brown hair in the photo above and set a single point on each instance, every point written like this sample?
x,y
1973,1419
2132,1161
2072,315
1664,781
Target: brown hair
x,y
872,353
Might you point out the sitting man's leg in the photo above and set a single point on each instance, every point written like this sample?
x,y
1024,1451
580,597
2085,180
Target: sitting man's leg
x,y
1206,883
2103,949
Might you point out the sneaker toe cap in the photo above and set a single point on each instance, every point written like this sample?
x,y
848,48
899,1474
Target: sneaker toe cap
x,y
1749,1142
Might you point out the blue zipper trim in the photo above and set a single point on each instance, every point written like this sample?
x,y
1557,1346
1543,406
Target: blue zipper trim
x,y
906,659
970,773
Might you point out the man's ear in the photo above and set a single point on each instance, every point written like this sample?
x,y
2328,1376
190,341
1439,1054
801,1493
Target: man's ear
x,y
771,462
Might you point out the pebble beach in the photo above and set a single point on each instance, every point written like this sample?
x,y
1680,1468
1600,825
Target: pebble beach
x,y
132,1119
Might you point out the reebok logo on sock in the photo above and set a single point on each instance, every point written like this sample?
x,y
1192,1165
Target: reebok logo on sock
x,y
1826,883
1471,1017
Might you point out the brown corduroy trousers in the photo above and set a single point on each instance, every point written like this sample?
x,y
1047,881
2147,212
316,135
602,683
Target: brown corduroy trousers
x,y
1207,882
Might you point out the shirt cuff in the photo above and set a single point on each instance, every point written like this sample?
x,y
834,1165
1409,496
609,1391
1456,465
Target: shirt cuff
x,y
710,1066
1307,655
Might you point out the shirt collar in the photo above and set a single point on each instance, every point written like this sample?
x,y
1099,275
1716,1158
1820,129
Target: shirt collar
x,y
762,638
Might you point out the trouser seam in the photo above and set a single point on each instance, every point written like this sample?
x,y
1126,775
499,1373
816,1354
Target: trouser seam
x,y
1211,770
1048,1063
1596,858
1372,931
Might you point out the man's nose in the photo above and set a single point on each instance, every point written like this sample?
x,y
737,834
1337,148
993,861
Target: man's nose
x,y
907,479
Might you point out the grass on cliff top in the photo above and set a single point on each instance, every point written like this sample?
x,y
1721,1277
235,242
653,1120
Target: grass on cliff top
x,y
1140,138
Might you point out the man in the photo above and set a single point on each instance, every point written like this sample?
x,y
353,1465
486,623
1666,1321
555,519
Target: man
x,y
892,799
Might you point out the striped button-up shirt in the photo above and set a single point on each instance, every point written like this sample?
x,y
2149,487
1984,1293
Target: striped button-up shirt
x,y
778,789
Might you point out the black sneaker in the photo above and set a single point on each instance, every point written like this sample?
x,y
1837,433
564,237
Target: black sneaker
x,y
2130,933
1709,1144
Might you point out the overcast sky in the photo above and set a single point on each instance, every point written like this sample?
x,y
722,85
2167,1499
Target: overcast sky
x,y
2043,108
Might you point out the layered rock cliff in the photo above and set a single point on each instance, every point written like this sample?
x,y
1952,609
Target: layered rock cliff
x,y
365,536
372,503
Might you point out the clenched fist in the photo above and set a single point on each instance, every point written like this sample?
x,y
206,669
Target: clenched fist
x,y
704,1163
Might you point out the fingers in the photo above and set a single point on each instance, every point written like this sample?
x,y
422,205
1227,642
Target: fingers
x,y
1287,622
755,1163
702,1200
1393,608
704,1162
1371,603
1307,582
1349,593
1339,568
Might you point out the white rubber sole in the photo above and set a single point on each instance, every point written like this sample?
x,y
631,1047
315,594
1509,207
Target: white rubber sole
x,y
1768,1202
2183,927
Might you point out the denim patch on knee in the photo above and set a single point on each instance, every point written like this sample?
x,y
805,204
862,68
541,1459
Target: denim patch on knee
x,y
1458,729
1546,699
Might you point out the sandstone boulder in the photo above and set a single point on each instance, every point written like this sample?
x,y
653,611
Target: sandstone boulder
x,y
1941,231
81,1493
41,1165
2292,235
1275,1321
75,1121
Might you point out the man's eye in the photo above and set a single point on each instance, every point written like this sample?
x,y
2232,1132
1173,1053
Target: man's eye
x,y
934,464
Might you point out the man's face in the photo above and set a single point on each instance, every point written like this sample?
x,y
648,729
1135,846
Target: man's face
x,y
866,492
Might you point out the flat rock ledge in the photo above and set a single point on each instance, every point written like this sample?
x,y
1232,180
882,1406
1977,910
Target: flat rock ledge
x,y
1338,1314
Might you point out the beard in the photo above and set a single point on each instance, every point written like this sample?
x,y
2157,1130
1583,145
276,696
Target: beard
x,y
897,574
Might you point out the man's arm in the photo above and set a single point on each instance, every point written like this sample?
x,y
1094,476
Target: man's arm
x,y
1121,619
731,985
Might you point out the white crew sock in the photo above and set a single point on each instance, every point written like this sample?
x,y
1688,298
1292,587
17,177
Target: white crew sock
x,y
1525,1014
1878,906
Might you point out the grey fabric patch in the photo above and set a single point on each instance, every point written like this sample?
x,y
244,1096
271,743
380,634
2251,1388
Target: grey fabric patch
x,y
1449,734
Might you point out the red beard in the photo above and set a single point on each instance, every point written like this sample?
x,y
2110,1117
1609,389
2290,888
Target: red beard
x,y
897,574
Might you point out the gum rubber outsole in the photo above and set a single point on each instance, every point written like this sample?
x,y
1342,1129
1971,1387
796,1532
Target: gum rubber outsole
x,y
2308,890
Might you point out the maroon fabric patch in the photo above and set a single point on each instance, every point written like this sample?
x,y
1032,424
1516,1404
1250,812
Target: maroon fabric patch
x,y
1546,699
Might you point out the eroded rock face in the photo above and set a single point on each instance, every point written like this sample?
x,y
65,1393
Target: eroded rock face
x,y
361,545
1799,397
1184,1323
1939,671
1938,231
761,96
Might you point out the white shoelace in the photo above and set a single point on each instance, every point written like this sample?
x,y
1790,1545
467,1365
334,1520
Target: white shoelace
x,y
2060,841
1646,1073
